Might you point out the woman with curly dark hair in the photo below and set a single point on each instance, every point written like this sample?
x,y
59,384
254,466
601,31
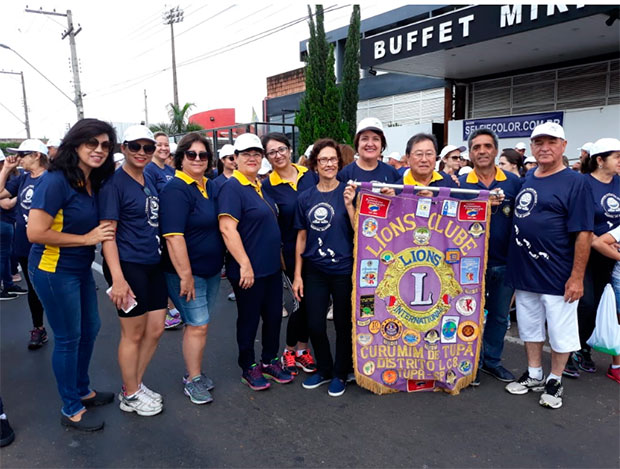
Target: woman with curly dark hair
x,y
64,226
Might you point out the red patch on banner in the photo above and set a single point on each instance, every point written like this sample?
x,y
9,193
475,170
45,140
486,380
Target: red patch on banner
x,y
414,385
375,206
472,211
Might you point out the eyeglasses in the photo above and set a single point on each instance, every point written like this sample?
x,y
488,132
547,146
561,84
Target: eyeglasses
x,y
135,147
281,150
202,155
429,155
325,160
247,154
93,143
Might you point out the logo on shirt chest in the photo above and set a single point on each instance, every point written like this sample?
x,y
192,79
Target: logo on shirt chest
x,y
320,216
25,197
611,205
152,211
525,202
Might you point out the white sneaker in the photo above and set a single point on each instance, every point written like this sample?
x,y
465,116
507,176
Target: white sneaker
x,y
330,312
552,397
141,404
152,394
231,297
525,383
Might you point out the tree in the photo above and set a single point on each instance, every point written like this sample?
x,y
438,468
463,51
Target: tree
x,y
319,111
351,76
179,121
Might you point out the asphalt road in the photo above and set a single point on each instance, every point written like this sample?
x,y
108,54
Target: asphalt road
x,y
288,426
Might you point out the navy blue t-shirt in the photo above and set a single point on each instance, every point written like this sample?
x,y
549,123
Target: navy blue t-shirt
x,y
186,209
73,212
135,208
159,175
8,216
257,217
284,194
548,213
22,187
501,215
382,173
329,242
606,204
220,180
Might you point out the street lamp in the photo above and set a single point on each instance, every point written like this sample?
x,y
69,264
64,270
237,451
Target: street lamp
x,y
174,15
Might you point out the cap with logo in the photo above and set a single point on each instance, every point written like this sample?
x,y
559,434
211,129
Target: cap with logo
x,y
247,141
450,148
369,123
549,129
30,145
226,150
604,145
586,147
138,132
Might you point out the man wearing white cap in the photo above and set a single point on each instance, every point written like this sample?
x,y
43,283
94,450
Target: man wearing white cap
x,y
548,253
395,161
451,157
157,167
520,147
52,147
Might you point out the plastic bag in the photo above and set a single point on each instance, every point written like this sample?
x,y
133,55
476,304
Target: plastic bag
x,y
606,335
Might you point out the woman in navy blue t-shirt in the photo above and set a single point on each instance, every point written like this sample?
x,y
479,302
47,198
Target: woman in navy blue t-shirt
x,y
324,264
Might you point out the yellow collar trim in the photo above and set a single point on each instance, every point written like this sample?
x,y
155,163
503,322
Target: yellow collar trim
x,y
239,176
189,181
410,181
472,177
275,179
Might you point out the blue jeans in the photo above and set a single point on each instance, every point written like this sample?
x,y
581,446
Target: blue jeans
x,y
6,246
70,302
197,311
498,296
615,283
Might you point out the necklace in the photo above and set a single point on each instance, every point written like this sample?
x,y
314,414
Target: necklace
x,y
327,200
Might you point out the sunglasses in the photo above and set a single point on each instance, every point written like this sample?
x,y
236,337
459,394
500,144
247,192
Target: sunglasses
x,y
135,147
229,158
93,143
191,155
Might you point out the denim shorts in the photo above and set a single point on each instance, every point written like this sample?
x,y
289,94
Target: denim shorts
x,y
194,312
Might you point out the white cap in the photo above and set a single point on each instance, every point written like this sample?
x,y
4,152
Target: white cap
x,y
587,147
53,142
370,123
226,150
138,132
520,146
265,166
119,157
530,159
308,151
450,148
603,145
173,148
465,155
247,141
550,129
392,156
30,145
465,170
1,155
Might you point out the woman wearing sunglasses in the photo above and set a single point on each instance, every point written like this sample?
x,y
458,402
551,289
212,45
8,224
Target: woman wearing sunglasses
x,y
249,224
324,264
284,185
64,226
32,154
128,201
226,165
194,255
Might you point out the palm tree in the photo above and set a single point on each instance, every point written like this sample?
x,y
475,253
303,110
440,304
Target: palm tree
x,y
179,120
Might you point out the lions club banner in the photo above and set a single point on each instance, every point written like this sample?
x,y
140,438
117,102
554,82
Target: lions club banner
x,y
418,290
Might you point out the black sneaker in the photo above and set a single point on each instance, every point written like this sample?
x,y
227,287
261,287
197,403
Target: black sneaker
x,y
571,370
584,361
16,289
5,295
476,382
499,372
38,337
7,435
552,397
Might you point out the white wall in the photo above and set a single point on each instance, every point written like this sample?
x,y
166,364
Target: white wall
x,y
397,136
580,126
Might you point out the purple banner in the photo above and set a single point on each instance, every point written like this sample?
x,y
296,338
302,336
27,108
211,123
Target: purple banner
x,y
418,290
511,126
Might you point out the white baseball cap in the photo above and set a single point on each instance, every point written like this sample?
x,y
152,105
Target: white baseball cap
x,y
550,129
308,151
265,166
450,148
520,146
603,145
465,155
118,157
30,145
226,150
530,159
53,142
247,141
173,148
465,170
369,123
392,156
587,147
138,132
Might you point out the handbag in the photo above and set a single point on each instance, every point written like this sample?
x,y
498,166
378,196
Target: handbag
x,y
606,335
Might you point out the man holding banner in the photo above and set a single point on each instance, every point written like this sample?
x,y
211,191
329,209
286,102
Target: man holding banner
x,y
486,175
549,249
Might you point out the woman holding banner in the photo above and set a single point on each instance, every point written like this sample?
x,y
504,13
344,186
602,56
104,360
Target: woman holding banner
x,y
324,264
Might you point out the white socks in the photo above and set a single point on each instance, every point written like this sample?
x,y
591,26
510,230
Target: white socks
x,y
535,373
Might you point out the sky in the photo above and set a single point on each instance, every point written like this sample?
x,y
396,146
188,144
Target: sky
x,y
224,53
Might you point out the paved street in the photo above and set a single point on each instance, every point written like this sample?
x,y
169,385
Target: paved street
x,y
288,426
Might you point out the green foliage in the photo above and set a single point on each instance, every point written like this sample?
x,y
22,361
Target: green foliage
x,y
351,76
179,121
6,145
319,112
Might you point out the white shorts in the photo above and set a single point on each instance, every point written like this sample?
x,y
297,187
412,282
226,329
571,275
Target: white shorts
x,y
533,309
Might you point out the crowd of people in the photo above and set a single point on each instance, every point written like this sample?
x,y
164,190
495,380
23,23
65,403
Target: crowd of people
x,y
168,233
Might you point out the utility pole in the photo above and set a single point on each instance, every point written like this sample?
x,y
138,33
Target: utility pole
x,y
26,121
174,15
71,32
146,111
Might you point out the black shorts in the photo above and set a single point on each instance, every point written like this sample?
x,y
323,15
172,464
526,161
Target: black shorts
x,y
147,282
